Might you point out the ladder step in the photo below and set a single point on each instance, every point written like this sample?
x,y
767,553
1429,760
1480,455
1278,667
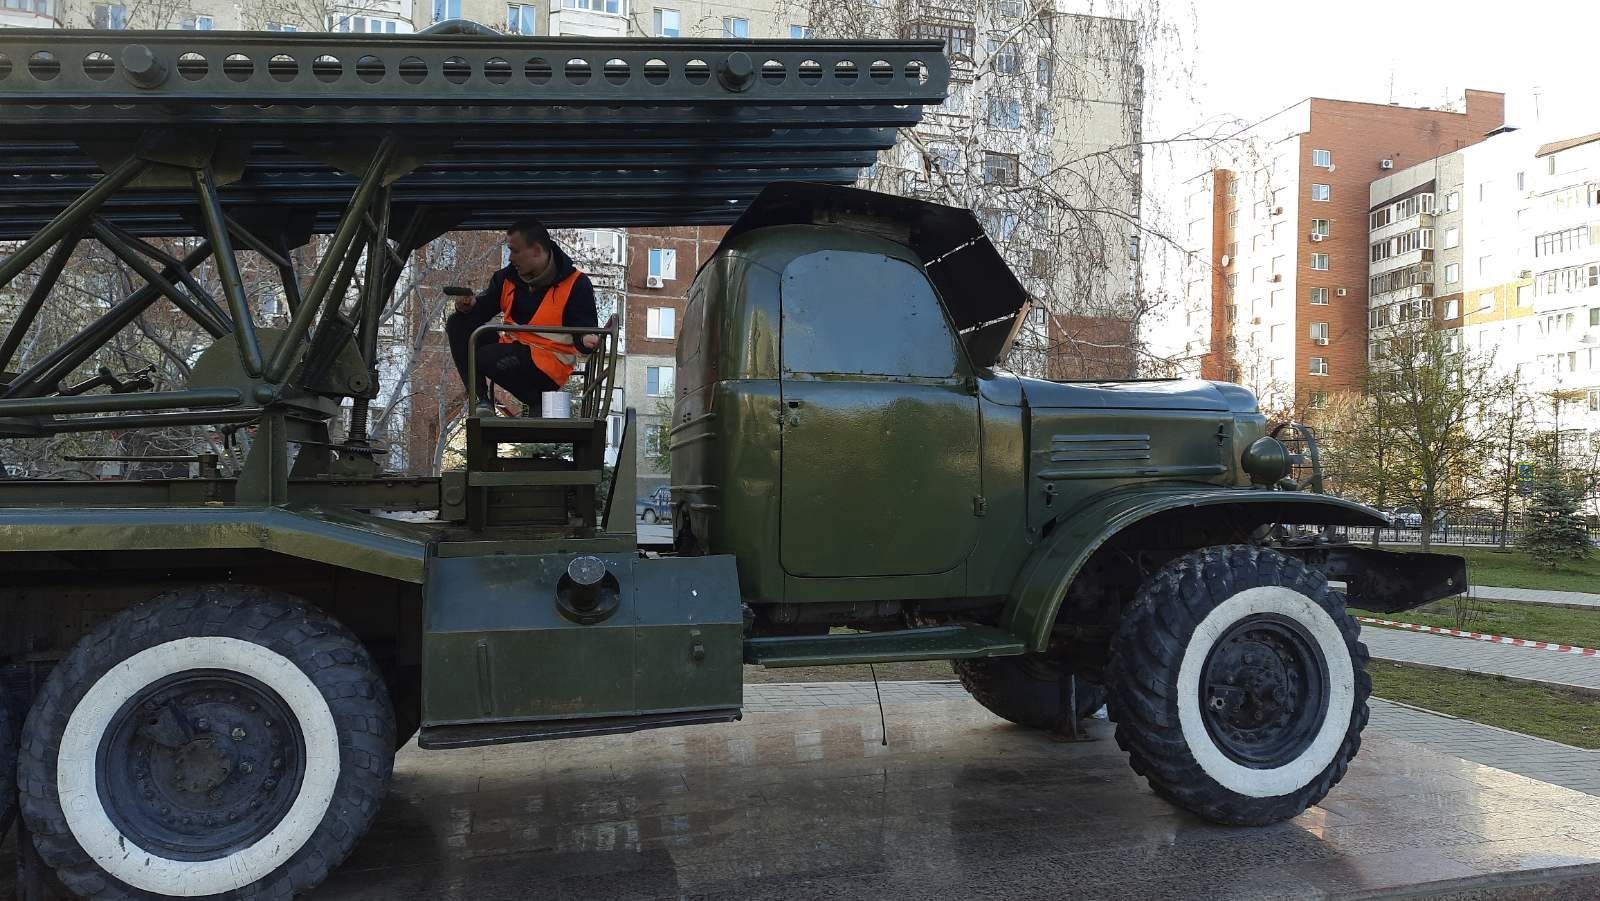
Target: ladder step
x,y
533,478
936,643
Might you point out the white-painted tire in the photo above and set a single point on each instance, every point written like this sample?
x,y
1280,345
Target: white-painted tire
x,y
1238,684
140,778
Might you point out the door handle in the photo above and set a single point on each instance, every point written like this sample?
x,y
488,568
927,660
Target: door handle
x,y
792,418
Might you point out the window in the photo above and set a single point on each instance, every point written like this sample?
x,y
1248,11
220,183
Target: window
x,y
1319,365
113,17
660,322
1276,265
1323,158
615,7
1522,181
1275,333
998,224
1524,295
1011,9
1452,237
735,27
1319,331
1045,73
945,156
999,169
1004,54
823,294
1319,297
1003,112
360,25
1233,218
957,38
1319,261
663,263
1452,273
796,32
1594,316
1255,275
446,9
1319,227
1452,201
1486,301
1319,400
1561,241
521,18
1485,263
1321,192
669,24
198,23
658,381
1452,309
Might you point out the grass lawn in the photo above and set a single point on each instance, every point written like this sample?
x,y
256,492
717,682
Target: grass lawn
x,y
1514,569
1560,625
1568,717
919,671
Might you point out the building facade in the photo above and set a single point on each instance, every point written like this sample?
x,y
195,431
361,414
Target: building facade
x,y
1281,241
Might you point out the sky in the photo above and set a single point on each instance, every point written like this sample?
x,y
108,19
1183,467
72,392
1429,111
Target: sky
x,y
1248,59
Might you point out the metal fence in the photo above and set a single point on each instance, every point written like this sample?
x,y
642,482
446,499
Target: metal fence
x,y
1475,529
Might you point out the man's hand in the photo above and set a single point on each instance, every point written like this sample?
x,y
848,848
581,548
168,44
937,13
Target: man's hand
x,y
464,304
591,341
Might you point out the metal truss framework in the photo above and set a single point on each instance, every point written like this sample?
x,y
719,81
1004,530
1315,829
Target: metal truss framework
x,y
259,142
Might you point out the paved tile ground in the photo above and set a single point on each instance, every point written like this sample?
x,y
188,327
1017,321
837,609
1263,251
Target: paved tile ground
x,y
1483,657
1536,758
1534,596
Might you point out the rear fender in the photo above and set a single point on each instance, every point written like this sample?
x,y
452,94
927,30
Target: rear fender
x,y
1041,585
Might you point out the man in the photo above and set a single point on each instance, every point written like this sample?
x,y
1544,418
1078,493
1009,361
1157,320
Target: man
x,y
541,286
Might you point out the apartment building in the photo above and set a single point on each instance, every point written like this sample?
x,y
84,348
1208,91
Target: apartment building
x,y
1281,235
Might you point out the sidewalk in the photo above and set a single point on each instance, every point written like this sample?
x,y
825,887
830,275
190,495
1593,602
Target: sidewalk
x,y
1534,596
1525,755
1482,657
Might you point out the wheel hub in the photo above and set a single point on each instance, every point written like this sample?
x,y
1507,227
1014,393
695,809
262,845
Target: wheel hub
x,y
201,764
1264,691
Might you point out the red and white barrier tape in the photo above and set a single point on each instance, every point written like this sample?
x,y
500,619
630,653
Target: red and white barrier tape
x,y
1479,636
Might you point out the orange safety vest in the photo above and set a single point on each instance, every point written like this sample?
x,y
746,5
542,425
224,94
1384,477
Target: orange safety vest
x,y
555,354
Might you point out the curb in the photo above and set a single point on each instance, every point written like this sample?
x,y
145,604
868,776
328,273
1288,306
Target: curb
x,y
1480,636
1586,690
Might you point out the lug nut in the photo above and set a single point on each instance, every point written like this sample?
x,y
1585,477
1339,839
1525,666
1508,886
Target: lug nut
x,y
246,767
202,724
237,733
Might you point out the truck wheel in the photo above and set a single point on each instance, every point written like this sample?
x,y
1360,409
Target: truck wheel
x,y
1238,685
1025,690
649,517
219,739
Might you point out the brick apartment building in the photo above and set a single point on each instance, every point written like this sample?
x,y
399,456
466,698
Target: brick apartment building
x,y
1284,230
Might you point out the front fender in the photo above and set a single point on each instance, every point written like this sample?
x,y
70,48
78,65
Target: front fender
x,y
1041,585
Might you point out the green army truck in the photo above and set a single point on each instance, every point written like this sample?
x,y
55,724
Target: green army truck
x,y
204,680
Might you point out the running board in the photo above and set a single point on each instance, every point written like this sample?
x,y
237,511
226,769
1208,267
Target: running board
x,y
476,735
934,643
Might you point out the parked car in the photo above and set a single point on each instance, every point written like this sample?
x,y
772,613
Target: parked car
x,y
657,505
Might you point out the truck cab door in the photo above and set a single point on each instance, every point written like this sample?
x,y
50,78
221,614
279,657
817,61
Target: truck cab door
x,y
880,451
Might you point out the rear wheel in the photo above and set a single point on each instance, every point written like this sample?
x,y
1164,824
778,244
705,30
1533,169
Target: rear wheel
x,y
1238,685
1025,689
215,740
649,516
8,766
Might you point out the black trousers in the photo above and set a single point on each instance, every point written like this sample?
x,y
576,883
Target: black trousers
x,y
508,365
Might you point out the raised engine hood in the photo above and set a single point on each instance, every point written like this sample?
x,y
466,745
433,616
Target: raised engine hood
x,y
1165,394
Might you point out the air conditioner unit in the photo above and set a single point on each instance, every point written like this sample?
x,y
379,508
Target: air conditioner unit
x,y
1526,273
1226,259
1342,291
1275,277
1277,211
1320,342
1385,164
1316,236
654,281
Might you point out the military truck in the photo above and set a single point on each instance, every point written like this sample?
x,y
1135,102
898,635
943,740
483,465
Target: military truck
x,y
207,678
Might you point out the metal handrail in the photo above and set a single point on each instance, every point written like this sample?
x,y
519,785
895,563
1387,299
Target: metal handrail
x,y
594,402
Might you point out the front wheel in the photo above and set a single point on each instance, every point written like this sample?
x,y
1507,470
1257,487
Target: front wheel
x,y
649,517
218,740
1239,685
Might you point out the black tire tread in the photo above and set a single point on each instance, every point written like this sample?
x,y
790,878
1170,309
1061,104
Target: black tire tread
x,y
331,656
1147,651
9,739
1008,690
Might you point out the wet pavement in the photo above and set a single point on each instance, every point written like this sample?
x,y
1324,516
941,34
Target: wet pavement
x,y
808,803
